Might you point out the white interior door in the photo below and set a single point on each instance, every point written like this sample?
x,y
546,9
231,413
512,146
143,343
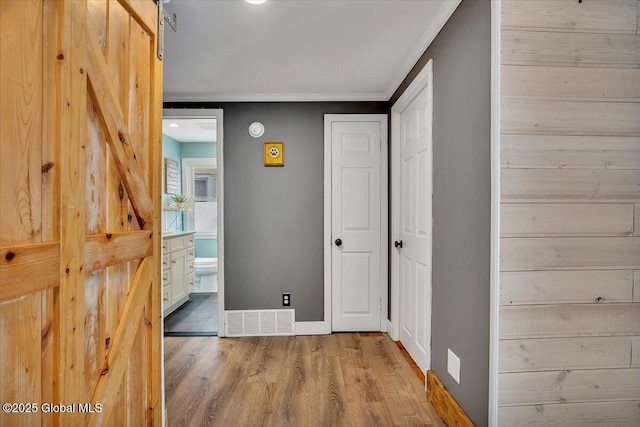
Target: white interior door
x,y
356,225
414,247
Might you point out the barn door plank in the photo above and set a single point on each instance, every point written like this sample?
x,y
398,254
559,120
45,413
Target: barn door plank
x,y
105,250
25,269
72,86
117,356
105,99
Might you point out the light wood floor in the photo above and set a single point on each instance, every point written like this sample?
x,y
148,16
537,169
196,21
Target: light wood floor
x,y
331,380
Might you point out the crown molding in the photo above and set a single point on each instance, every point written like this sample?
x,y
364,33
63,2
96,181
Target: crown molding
x,y
274,97
441,18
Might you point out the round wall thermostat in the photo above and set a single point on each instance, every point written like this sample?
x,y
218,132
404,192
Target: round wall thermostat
x,y
256,129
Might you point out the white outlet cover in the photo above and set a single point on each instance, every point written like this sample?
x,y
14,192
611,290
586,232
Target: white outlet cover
x,y
453,365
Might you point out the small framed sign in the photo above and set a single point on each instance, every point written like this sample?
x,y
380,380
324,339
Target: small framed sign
x,y
171,176
274,153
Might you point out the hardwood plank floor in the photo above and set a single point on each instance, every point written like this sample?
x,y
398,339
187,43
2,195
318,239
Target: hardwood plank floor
x,y
304,381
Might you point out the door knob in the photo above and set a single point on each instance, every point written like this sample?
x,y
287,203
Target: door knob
x,y
398,244
338,242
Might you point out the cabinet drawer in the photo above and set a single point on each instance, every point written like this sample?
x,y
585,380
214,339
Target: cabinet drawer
x,y
191,267
166,261
177,243
191,240
166,296
165,246
191,253
166,277
191,282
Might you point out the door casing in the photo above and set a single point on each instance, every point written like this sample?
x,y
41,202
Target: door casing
x,y
218,114
324,327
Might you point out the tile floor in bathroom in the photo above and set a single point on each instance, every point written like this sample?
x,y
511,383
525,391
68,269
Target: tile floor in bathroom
x,y
198,316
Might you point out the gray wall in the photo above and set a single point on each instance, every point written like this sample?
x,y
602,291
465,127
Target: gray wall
x,y
274,215
461,201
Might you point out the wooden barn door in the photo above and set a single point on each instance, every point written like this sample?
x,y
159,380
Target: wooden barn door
x,y
80,162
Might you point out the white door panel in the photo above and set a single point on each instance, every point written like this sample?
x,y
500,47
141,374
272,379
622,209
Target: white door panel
x,y
415,229
355,220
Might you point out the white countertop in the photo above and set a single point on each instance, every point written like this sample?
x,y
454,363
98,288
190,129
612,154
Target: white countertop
x,y
170,234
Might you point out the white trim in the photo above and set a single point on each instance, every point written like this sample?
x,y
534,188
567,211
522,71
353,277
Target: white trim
x,y
273,97
218,114
384,223
495,214
389,328
312,328
384,203
423,80
441,18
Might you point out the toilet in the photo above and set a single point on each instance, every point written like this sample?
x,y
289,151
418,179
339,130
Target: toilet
x,y
206,275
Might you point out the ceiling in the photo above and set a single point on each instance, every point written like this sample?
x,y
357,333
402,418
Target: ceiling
x,y
296,50
201,129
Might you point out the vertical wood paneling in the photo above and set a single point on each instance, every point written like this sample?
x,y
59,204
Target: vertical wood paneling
x,y
21,122
96,188
72,83
24,216
118,276
20,357
570,188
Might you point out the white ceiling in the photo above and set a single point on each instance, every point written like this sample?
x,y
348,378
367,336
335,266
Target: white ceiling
x,y
190,130
296,50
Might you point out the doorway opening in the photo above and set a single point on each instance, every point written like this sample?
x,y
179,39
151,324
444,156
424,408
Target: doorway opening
x,y
192,222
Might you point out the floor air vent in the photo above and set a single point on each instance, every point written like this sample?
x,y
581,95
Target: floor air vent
x,y
249,323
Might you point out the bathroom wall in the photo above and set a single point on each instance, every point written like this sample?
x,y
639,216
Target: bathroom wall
x,y
198,149
206,248
171,149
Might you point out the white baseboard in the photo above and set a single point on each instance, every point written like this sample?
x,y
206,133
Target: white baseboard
x,y
312,328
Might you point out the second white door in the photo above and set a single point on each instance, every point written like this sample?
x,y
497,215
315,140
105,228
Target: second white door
x,y
356,225
414,245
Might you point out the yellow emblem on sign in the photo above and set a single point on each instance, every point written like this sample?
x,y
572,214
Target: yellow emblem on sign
x,y
274,154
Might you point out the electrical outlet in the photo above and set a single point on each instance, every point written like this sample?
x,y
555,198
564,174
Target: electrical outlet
x,y
453,365
286,299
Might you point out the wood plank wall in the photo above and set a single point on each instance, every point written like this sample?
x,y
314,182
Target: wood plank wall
x,y
570,232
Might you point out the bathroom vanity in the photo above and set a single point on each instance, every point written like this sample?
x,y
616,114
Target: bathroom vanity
x,y
178,269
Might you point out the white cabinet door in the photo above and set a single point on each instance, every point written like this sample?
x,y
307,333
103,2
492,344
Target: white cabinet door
x,y
355,225
178,276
